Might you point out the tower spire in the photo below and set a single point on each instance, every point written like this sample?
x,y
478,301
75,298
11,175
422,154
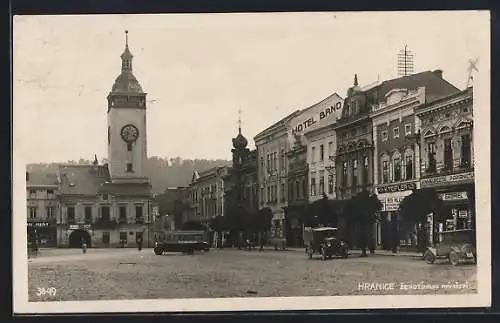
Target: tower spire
x,y
126,56
355,79
239,121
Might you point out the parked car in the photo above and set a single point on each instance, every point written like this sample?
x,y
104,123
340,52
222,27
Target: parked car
x,y
455,246
324,241
182,241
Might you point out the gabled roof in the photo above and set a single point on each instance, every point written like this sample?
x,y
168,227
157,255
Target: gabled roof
x,y
276,124
82,179
435,86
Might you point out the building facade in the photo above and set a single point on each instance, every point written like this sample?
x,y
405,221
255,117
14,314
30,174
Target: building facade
x,y
356,140
297,192
42,206
111,204
446,141
207,194
396,162
272,145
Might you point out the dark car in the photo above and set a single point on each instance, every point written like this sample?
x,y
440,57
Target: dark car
x,y
182,241
455,246
324,241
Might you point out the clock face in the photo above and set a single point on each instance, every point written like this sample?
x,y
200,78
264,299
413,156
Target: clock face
x,y
130,133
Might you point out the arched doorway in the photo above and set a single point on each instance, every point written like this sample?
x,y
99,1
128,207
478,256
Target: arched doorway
x,y
77,237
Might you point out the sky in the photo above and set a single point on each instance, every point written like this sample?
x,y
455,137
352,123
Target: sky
x,y
200,69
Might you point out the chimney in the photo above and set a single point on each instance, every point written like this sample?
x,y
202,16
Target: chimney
x,y
439,73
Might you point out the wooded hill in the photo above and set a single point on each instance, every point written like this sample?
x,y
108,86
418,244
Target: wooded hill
x,y
163,172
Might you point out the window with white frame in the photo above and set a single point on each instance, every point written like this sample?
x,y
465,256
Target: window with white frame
x,y
407,129
396,162
384,135
313,154
385,169
408,165
32,212
330,149
395,132
313,183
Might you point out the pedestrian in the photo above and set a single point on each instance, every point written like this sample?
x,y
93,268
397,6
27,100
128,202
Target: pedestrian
x,y
139,243
84,246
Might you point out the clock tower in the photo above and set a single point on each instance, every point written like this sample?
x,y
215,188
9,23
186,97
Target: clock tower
x,y
127,149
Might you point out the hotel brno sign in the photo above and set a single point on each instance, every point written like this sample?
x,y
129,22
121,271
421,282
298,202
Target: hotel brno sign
x,y
320,114
463,178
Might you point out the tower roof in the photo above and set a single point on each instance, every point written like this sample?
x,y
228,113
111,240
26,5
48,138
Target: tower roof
x,y
240,142
126,81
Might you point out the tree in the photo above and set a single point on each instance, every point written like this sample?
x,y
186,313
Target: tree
x,y
415,207
322,212
363,208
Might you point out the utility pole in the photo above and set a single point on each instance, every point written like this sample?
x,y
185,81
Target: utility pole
x,y
405,62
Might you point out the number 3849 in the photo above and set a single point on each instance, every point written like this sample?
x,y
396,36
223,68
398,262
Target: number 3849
x,y
51,291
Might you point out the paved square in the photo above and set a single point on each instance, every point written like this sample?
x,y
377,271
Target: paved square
x,y
107,274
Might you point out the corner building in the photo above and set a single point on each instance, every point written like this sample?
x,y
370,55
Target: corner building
x,y
105,205
447,157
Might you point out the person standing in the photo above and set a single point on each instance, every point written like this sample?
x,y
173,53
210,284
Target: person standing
x,y
139,243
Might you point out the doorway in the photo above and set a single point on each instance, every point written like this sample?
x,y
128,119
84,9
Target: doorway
x,y
77,237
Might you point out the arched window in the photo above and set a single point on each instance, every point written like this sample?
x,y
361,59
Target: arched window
x,y
409,161
396,166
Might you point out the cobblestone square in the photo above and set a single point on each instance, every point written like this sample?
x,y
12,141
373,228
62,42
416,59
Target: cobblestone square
x,y
109,274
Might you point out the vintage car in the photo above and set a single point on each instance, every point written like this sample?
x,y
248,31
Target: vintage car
x,y
455,246
182,241
324,241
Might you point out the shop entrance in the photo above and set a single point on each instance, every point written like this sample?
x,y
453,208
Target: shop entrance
x,y
77,237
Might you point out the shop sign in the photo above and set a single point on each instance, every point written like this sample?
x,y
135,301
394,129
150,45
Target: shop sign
x,y
80,226
396,188
38,224
453,196
448,179
462,214
392,203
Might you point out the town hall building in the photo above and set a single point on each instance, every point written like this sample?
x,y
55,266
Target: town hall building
x,y
111,205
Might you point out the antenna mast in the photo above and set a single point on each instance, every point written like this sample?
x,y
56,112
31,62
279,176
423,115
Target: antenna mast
x,y
405,62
